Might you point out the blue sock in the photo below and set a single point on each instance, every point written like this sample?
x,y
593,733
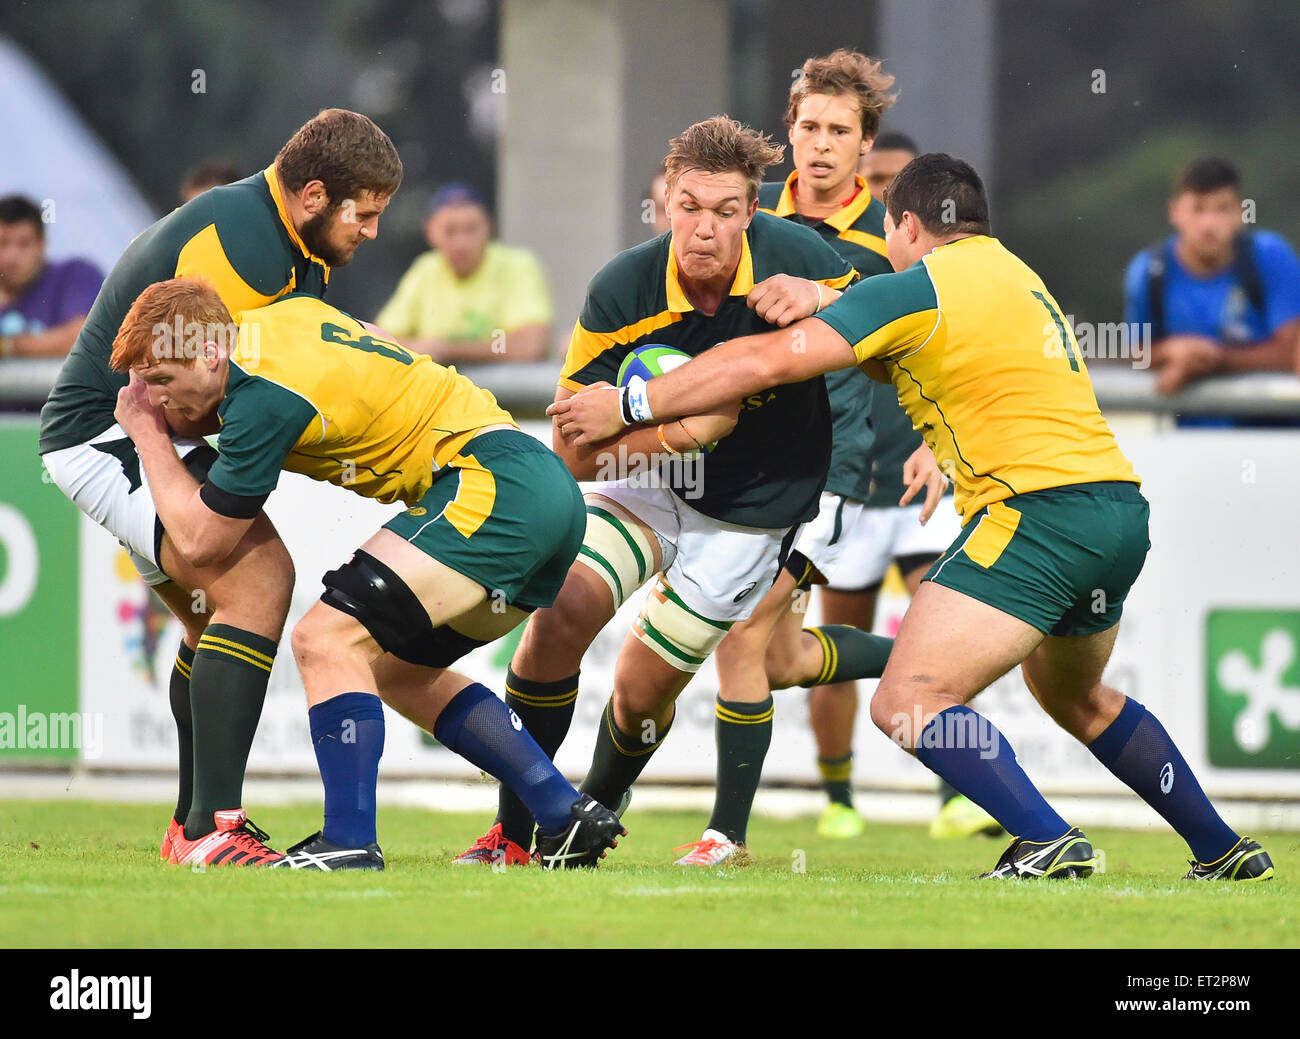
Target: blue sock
x,y
966,749
1136,748
347,733
484,731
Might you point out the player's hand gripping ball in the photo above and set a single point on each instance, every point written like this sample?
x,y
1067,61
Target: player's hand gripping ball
x,y
650,360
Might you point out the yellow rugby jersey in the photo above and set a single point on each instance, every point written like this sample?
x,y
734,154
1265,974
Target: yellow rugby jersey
x,y
987,369
311,391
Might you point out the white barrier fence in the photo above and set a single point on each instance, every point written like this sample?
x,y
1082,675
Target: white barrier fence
x,y
1209,644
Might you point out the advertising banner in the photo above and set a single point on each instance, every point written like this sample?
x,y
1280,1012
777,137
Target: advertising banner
x,y
39,719
1208,643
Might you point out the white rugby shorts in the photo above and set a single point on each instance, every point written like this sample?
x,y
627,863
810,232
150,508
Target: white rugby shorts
x,y
879,536
720,570
106,480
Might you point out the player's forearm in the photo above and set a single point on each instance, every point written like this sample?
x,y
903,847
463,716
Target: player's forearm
x,y
640,446
828,296
173,488
615,458
200,535
727,372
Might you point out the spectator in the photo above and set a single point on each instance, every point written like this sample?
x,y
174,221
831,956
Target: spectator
x,y
889,154
654,212
471,299
1217,298
210,173
42,303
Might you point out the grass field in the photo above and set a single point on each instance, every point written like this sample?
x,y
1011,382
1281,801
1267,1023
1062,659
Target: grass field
x,y
85,874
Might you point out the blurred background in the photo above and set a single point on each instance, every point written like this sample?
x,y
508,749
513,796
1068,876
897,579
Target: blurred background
x,y
586,93
557,113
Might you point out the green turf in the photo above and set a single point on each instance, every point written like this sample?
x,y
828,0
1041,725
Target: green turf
x,y
87,874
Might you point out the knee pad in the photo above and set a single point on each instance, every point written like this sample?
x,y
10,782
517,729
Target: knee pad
x,y
368,591
676,633
619,551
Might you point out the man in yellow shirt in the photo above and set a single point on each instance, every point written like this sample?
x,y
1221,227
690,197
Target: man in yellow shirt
x,y
470,299
1055,528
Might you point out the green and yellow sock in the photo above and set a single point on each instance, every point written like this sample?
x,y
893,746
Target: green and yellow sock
x,y
619,758
849,653
744,732
178,693
837,778
227,688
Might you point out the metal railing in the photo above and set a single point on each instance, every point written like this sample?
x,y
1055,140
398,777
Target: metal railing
x,y
526,389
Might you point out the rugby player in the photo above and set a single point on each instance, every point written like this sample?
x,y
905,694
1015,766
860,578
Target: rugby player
x,y
832,116
306,388
278,231
887,533
716,541
1055,527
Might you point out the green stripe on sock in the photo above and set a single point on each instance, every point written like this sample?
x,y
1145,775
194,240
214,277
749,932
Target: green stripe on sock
x,y
851,653
837,778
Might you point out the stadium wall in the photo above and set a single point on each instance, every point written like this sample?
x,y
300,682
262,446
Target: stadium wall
x,y
1209,640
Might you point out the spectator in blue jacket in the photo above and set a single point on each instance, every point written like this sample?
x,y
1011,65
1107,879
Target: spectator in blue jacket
x,y
1218,297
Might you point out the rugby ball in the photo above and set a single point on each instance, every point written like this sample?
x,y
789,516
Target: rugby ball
x,y
650,360
653,359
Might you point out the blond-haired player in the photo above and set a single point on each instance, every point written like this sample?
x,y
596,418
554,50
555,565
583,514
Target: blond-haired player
x,y
1055,527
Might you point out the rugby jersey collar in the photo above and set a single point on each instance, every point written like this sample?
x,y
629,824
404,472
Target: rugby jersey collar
x,y
277,195
841,220
740,285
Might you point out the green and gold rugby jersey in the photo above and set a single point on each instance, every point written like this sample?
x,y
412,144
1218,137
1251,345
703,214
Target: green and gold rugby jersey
x,y
238,237
770,471
987,369
856,232
895,442
311,391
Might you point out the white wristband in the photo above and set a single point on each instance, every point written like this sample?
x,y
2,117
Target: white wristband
x,y
638,400
819,297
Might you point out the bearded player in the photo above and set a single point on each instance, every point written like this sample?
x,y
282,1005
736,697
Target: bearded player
x,y
279,231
